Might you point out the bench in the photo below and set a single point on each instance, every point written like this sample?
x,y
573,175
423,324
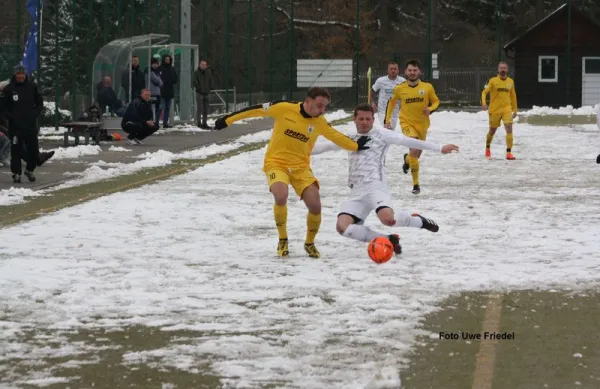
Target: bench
x,y
85,129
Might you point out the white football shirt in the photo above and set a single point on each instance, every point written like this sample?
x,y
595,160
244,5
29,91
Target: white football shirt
x,y
384,87
365,172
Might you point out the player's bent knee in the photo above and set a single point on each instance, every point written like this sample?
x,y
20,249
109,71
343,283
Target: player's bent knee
x,y
386,216
312,199
280,193
343,221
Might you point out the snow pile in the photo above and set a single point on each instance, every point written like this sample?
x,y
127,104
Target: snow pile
x,y
74,152
15,195
565,111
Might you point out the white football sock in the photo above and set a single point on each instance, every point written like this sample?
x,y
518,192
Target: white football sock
x,y
404,219
361,233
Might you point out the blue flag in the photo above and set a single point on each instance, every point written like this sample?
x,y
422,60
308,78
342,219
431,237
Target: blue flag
x,y
30,56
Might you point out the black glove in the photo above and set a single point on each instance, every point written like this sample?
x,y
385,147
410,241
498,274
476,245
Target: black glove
x,y
220,124
362,141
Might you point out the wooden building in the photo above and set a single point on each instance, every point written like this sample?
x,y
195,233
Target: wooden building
x,y
545,74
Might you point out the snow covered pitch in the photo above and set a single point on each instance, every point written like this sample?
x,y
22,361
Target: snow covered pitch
x,y
197,254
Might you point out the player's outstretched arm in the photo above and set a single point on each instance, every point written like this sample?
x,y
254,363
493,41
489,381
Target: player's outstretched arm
x,y
395,138
260,110
342,140
324,146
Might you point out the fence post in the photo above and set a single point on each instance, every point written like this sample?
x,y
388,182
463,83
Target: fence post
x,y
39,43
249,53
204,29
429,23
19,20
73,74
500,22
357,49
56,63
271,17
291,50
227,59
169,6
569,25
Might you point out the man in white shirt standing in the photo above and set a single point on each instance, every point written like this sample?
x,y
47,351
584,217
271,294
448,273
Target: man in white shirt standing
x,y
384,86
366,179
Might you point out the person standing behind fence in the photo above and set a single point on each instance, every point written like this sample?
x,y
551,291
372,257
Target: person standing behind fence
x,y
138,81
22,104
203,84
384,86
169,78
155,85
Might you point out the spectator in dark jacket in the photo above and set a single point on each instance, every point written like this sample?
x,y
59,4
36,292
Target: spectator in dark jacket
x,y
22,104
138,80
138,122
203,83
43,156
106,97
155,85
168,75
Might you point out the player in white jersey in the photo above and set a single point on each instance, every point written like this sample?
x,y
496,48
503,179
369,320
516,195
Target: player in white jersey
x,y
368,185
384,86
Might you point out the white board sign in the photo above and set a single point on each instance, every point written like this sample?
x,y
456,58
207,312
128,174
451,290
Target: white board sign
x,y
328,73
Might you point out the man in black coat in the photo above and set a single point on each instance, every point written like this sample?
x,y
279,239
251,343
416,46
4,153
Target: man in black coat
x,y
168,75
138,121
203,84
22,104
138,79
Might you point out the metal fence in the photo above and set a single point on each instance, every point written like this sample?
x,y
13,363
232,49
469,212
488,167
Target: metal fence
x,y
253,45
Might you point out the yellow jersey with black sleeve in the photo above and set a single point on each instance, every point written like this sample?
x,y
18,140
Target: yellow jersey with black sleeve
x,y
503,97
413,99
294,135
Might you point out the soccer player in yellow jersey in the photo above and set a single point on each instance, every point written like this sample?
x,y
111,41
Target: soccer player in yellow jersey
x,y
287,160
503,107
417,101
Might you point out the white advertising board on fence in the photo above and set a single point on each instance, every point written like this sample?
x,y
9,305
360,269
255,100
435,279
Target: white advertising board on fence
x,y
328,73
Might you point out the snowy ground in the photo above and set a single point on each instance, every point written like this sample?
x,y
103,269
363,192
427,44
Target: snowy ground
x,y
197,254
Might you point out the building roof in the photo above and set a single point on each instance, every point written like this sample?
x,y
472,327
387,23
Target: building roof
x,y
535,26
560,9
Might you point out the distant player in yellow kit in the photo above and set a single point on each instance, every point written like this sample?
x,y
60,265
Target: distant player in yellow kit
x,y
503,107
287,160
417,101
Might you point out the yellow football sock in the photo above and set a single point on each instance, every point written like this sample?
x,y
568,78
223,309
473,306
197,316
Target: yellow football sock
x,y
509,142
488,140
313,222
280,213
413,162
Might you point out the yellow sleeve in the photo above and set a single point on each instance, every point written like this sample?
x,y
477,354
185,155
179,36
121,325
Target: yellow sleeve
x,y
485,92
391,104
434,101
513,98
337,137
270,109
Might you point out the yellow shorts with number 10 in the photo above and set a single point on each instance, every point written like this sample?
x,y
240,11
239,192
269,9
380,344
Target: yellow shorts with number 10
x,y
495,119
300,179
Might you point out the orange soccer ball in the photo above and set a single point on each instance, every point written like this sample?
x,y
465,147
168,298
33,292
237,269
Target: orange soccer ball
x,y
380,249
